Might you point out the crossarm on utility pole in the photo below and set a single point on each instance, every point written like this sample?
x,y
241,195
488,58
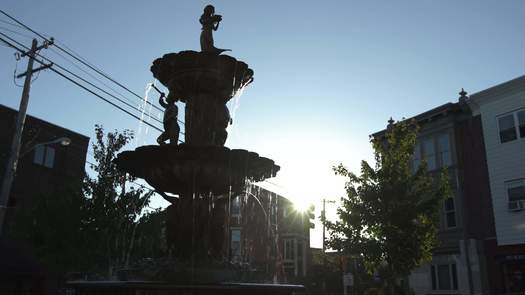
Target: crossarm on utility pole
x,y
36,70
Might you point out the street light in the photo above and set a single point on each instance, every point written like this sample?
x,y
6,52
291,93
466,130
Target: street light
x,y
63,141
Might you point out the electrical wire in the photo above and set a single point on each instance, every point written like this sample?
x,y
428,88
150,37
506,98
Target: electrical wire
x,y
90,75
10,23
82,60
14,74
80,78
15,32
82,86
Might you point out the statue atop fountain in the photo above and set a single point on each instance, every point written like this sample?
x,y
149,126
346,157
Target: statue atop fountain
x,y
210,22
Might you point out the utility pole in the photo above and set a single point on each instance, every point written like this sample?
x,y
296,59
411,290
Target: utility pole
x,y
323,216
12,161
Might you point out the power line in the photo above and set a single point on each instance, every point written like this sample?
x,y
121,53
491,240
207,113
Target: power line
x,y
91,75
15,32
78,77
82,86
81,60
91,84
11,24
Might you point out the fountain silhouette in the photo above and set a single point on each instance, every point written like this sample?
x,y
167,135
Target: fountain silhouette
x,y
201,171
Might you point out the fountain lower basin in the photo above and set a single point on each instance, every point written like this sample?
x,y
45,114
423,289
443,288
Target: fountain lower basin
x,y
181,169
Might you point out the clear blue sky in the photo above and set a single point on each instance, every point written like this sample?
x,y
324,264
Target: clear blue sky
x,y
327,73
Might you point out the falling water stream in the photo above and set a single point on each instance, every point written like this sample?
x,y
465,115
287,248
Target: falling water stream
x,y
145,111
233,105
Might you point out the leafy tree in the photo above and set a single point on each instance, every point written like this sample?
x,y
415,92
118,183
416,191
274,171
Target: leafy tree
x,y
150,239
112,209
390,215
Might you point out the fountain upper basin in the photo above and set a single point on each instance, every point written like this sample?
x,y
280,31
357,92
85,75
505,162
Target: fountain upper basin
x,y
189,73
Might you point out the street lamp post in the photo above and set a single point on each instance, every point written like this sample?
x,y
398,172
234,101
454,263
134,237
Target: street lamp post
x,y
8,179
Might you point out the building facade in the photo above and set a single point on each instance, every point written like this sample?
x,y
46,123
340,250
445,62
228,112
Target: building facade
x,y
267,233
43,166
46,170
451,138
502,112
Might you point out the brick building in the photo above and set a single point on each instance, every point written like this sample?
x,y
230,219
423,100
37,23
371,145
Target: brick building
x,y
451,138
42,168
269,234
46,169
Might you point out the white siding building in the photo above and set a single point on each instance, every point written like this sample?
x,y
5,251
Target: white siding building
x,y
502,110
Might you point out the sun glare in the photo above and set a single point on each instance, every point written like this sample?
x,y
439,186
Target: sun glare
x,y
300,206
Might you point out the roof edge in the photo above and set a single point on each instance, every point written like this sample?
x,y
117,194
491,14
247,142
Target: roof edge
x,y
46,122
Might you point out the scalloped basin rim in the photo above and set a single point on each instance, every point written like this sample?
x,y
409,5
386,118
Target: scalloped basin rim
x,y
189,73
186,169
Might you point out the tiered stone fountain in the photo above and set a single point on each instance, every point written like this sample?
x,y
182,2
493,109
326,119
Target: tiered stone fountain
x,y
201,171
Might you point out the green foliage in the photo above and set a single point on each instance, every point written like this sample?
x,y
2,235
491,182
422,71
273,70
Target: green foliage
x,y
150,236
390,214
112,207
94,224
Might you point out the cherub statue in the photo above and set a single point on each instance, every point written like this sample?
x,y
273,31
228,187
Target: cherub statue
x,y
210,22
171,124
222,120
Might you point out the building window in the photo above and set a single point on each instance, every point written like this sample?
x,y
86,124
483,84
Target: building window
x,y
45,156
507,130
235,245
444,276
289,249
514,277
429,154
444,150
450,212
300,253
521,123
416,157
236,207
516,194
510,125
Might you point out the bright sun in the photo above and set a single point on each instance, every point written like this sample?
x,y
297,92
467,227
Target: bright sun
x,y
301,206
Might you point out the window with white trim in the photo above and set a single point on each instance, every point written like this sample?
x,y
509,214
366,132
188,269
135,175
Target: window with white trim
x,y
235,245
521,122
44,156
289,249
444,276
429,153
435,150
450,212
416,157
512,126
444,150
516,194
